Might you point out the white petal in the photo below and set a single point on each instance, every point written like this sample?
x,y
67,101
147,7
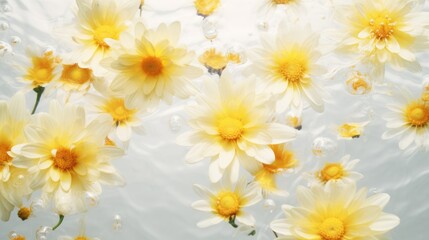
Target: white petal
x,y
209,222
385,223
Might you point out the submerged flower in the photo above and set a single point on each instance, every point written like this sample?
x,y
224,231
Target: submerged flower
x,y
266,175
408,120
126,117
336,213
287,67
14,182
214,61
75,78
351,130
206,7
336,172
227,203
98,20
68,156
41,69
82,234
232,125
384,31
151,66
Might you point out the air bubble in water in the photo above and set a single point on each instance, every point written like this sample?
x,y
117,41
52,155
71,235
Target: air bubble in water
x,y
269,204
263,26
5,7
15,40
42,233
323,146
4,25
175,123
210,28
92,199
117,223
5,48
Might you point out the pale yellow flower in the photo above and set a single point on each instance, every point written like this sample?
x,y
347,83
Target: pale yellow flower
x,y
233,126
68,156
81,235
15,183
384,31
206,7
96,21
351,130
288,67
151,66
75,79
227,203
335,213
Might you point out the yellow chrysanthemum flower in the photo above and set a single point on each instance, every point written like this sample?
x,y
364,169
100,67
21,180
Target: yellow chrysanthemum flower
x,y
68,156
151,66
266,175
384,31
336,213
75,78
351,130
409,120
15,183
227,203
233,126
206,7
287,67
41,67
97,21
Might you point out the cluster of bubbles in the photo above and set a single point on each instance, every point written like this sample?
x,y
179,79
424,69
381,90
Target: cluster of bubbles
x,y
6,46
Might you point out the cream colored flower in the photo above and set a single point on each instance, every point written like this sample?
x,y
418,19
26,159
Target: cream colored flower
x,y
267,174
151,66
206,7
351,129
127,118
75,79
287,67
336,172
98,20
68,156
232,125
408,120
384,31
15,183
227,203
82,234
336,213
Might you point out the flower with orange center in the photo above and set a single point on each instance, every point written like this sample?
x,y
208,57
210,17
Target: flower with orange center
x,y
287,67
97,21
127,114
410,121
213,60
340,172
14,182
68,156
75,78
337,212
233,125
82,233
154,67
41,69
227,203
266,175
383,31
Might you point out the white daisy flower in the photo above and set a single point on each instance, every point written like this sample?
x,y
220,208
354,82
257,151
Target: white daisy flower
x,y
336,213
227,203
287,67
233,126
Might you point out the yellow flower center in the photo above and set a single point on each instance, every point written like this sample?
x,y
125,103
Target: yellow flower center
x,y
291,65
292,71
230,128
266,179
332,229
358,84
278,2
284,160
75,74
119,112
65,159
382,27
105,31
349,130
24,213
331,171
206,7
213,59
80,238
42,69
152,66
417,114
19,237
4,157
227,204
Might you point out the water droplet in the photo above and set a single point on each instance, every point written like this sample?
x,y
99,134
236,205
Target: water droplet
x,y
5,48
4,25
15,40
323,146
175,123
12,235
209,28
294,120
263,26
42,232
92,199
117,223
5,7
270,205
